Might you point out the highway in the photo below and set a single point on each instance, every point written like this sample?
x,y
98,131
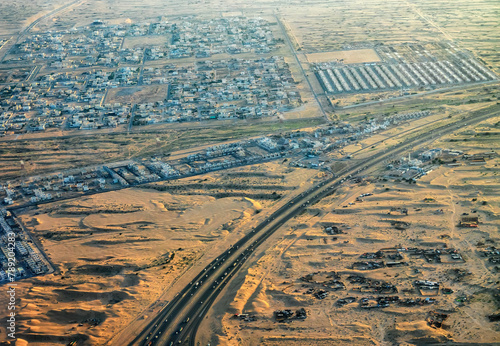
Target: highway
x,y
198,296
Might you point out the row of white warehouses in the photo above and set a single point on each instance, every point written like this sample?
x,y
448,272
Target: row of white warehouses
x,y
373,77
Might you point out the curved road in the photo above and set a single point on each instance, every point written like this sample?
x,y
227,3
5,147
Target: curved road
x,y
35,22
198,296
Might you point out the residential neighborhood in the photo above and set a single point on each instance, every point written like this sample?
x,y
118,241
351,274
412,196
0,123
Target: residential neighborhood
x,y
91,77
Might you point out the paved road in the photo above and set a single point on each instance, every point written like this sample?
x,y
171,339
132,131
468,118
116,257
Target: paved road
x,y
294,52
29,27
193,302
77,195
439,90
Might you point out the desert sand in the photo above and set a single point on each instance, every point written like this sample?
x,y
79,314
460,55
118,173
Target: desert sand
x,y
118,253
435,204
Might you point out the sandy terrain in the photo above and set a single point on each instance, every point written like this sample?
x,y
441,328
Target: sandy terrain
x,y
466,22
330,25
142,94
46,154
118,252
145,41
355,56
15,15
451,99
302,247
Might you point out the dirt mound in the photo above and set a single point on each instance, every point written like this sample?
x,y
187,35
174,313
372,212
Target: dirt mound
x,y
99,270
96,259
416,333
113,297
78,315
130,280
287,299
255,204
104,242
49,339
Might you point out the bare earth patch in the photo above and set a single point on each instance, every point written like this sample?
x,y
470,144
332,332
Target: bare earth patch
x,y
355,56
